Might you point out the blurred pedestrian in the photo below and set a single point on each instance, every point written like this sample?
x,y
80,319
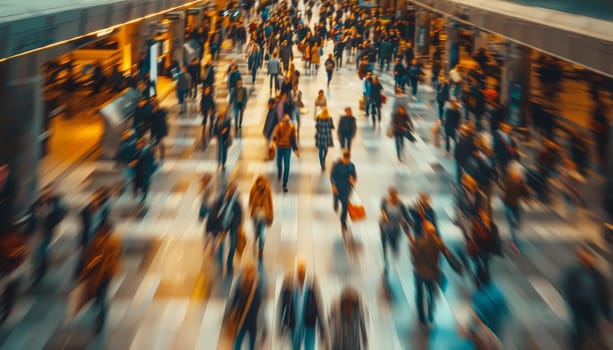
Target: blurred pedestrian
x,y
323,135
222,126
394,220
284,138
348,322
261,210
343,177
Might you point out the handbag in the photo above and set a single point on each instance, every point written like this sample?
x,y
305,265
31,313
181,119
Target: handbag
x,y
362,103
390,132
271,151
355,207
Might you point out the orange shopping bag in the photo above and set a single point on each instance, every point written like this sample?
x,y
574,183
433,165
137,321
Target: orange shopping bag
x,y
355,207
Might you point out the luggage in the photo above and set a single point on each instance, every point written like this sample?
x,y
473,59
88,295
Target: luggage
x,y
362,104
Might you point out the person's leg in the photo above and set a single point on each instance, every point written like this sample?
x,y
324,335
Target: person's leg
x,y
399,145
510,216
309,338
384,240
232,250
321,157
344,199
238,341
271,77
279,163
431,289
286,162
220,250
101,302
240,119
441,105
236,109
419,298
253,332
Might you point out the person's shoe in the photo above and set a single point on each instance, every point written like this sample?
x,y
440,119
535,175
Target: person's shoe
x,y
285,189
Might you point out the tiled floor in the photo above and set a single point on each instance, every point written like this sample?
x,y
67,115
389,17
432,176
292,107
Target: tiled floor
x,y
169,296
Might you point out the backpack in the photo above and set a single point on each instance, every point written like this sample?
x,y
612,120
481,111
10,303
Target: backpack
x,y
487,239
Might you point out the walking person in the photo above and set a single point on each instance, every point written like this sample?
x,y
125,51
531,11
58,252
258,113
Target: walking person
x,y
99,265
348,322
394,220
514,189
284,139
261,210
343,177
245,307
300,310
347,128
323,135
46,213
183,86
319,103
442,96
376,100
425,253
125,158
274,69
159,128
145,167
330,65
238,100
231,216
194,70
401,128
207,109
451,122
587,295
224,139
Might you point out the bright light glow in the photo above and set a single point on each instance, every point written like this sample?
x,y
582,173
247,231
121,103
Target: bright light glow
x,y
189,4
104,32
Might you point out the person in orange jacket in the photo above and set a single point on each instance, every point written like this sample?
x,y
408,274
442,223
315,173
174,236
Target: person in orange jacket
x,y
261,210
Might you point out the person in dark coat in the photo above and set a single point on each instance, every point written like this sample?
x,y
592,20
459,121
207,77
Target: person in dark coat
x,y
254,61
245,305
145,167
588,298
402,127
194,71
464,148
159,127
238,99
271,119
451,123
47,213
300,309
347,128
422,212
343,177
8,194
376,91
222,126
442,96
505,148
207,109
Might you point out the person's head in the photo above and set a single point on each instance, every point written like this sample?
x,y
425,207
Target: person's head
x,y
348,111
375,79
286,118
401,109
239,83
393,194
184,69
206,90
424,199
223,111
585,257
429,228
330,57
349,300
301,272
453,103
346,157
320,93
506,127
369,75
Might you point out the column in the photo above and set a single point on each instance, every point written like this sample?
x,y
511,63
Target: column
x,y
516,83
453,44
422,34
21,125
177,32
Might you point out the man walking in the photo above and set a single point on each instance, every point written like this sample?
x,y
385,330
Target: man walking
x,y
238,99
274,69
284,138
343,177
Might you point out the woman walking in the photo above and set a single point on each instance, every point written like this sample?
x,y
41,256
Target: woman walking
x,y
347,322
323,135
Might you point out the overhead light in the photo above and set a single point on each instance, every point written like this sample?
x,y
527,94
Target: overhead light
x,y
104,32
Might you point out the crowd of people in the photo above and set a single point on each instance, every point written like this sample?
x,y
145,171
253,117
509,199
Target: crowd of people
x,y
471,118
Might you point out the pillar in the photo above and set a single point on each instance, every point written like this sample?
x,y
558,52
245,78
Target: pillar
x,y
515,87
422,34
608,193
21,121
177,32
481,40
453,44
